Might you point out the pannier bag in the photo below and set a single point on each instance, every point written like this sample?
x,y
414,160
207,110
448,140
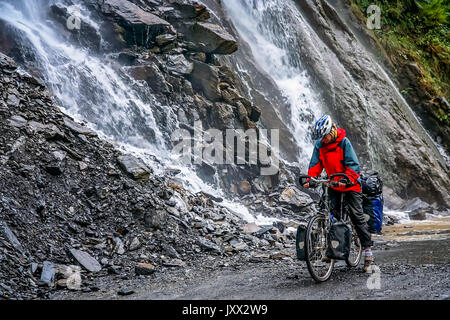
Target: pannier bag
x,y
339,240
372,188
373,207
371,183
300,242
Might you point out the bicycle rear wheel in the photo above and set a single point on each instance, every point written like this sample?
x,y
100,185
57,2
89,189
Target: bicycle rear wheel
x,y
315,249
355,250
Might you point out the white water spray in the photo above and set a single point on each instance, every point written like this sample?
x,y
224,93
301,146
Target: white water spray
x,y
268,26
91,89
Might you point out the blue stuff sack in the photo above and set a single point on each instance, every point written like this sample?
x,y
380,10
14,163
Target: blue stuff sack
x,y
373,207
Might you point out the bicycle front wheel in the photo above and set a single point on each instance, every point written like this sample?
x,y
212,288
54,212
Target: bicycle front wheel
x,y
355,250
319,266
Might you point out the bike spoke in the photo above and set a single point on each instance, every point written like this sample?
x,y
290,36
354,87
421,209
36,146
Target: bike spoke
x,y
319,268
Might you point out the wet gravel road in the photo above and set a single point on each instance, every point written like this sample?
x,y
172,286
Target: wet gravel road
x,y
408,270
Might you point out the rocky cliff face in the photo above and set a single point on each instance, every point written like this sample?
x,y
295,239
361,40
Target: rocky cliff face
x,y
68,196
427,101
72,205
173,50
187,57
361,96
64,190
383,129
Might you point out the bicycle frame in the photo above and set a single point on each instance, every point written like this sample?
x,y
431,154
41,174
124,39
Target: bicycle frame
x,y
324,202
325,221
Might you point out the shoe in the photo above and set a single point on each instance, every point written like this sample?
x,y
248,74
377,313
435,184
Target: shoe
x,y
368,262
326,259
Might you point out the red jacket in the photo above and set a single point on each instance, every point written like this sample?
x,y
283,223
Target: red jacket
x,y
336,157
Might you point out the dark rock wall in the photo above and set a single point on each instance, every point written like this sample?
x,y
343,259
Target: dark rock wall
x,y
70,201
382,127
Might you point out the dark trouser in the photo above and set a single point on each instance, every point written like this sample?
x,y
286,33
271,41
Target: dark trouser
x,y
353,203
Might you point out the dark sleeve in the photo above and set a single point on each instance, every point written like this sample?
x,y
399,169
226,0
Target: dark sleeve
x,y
351,162
315,165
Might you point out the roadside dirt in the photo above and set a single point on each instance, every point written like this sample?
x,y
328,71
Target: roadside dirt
x,y
435,229
409,269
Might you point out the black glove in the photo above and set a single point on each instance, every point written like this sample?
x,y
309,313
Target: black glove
x,y
312,183
302,181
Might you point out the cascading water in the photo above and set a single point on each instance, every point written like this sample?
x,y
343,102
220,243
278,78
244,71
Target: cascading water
x,y
86,86
268,26
91,88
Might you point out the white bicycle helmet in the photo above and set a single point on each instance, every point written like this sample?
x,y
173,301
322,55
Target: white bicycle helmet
x,y
322,127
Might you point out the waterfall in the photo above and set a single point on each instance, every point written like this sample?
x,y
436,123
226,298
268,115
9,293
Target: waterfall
x,y
269,28
87,87
91,88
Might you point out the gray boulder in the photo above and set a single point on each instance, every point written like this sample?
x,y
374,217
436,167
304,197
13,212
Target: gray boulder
x,y
17,121
78,128
224,116
13,101
417,209
295,197
208,245
178,64
85,260
47,274
119,247
139,27
135,244
6,62
241,111
415,204
238,245
151,74
50,131
6,232
205,78
165,39
263,184
135,167
187,10
212,38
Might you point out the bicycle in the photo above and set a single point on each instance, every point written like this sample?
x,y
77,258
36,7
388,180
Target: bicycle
x,y
316,239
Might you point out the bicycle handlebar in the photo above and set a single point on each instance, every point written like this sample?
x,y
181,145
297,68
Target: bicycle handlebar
x,y
342,175
329,180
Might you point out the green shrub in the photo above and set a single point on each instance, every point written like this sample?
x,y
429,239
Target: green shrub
x,y
433,12
417,31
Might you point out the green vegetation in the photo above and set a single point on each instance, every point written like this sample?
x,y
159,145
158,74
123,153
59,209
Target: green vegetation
x,y
417,31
